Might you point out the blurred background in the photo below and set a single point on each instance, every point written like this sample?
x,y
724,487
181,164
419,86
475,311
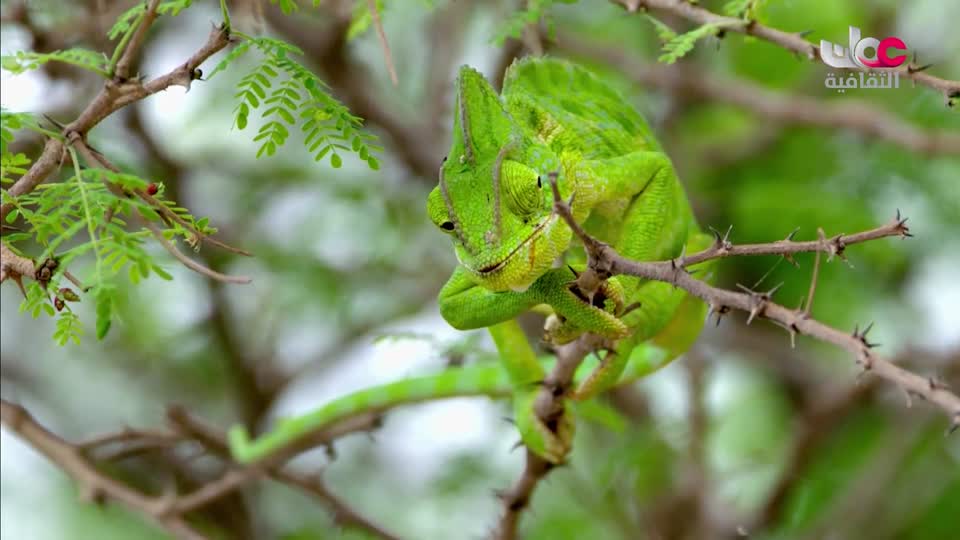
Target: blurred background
x,y
742,436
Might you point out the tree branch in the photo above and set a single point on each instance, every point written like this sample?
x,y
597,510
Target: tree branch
x,y
215,441
604,260
94,486
122,72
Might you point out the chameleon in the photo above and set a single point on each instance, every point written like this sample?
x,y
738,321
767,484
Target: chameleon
x,y
515,254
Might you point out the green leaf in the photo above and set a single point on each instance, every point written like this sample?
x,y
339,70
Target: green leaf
x,y
104,309
680,45
287,6
23,61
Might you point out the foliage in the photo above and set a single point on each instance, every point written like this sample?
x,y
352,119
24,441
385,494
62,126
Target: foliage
x,y
58,213
296,93
535,11
126,21
747,10
22,61
676,46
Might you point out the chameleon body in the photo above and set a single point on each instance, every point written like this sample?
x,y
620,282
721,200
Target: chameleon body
x,y
515,253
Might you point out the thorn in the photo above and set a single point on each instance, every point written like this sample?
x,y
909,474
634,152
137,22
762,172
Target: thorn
x,y
759,300
906,395
790,236
677,263
862,336
720,312
954,424
518,444
865,361
575,273
509,420
901,226
769,294
722,242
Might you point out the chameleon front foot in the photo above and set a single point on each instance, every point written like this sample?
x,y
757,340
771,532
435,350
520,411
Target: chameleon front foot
x,y
606,304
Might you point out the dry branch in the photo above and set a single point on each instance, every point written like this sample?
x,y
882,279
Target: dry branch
x,y
94,485
215,441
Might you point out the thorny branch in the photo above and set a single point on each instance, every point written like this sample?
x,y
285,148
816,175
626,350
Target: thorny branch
x,y
794,42
606,261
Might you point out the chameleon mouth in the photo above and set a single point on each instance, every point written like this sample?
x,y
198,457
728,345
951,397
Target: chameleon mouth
x,y
497,266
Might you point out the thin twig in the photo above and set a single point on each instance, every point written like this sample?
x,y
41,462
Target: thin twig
x,y
215,441
94,485
187,261
122,71
808,306
387,56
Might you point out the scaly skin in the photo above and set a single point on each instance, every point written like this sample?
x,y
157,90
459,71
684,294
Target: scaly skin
x,y
494,201
488,379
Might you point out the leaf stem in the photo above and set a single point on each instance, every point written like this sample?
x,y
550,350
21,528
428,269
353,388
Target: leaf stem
x,y
118,51
226,15
91,227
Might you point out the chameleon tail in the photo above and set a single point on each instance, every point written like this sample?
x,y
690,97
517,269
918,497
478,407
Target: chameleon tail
x,y
482,379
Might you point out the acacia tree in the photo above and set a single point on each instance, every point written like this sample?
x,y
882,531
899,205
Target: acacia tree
x,y
98,203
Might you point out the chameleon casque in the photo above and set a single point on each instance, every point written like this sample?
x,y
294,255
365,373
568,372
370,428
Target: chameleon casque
x,y
516,254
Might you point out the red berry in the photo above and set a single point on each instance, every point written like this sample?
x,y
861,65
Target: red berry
x,y
152,189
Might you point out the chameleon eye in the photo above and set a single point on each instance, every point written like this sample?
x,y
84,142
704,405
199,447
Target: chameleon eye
x,y
517,181
447,225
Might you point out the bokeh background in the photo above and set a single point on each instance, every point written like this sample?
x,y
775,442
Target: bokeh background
x,y
744,435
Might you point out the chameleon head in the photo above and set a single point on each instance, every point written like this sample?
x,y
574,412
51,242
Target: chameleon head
x,y
496,208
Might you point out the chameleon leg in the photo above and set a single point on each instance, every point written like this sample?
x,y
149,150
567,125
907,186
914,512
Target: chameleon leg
x,y
466,305
552,442
654,226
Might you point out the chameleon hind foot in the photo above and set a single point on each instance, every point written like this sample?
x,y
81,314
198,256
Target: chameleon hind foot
x,y
608,299
551,439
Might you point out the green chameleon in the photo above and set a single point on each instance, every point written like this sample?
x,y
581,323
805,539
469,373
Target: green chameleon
x,y
515,253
